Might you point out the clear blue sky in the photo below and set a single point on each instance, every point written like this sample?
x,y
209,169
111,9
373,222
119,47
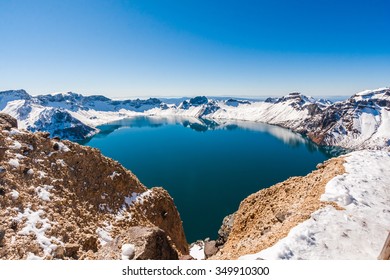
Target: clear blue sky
x,y
183,48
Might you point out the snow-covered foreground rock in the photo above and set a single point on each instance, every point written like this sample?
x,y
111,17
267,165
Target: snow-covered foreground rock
x,y
360,122
359,230
340,211
61,200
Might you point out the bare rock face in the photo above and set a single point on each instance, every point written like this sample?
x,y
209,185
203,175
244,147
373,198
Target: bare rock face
x,y
224,231
265,217
164,215
7,122
210,248
149,243
63,200
2,233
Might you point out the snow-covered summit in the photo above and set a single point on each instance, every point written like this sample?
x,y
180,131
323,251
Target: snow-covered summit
x,y
11,95
69,115
373,95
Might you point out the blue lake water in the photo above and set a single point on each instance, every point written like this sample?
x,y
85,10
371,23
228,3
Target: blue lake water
x,y
207,167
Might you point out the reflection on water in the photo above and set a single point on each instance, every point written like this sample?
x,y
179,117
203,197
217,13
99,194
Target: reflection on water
x,y
287,136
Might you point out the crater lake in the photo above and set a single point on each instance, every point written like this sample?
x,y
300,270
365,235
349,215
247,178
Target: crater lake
x,y
208,167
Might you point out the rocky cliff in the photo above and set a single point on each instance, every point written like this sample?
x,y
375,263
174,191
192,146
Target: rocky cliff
x,y
268,215
61,200
339,211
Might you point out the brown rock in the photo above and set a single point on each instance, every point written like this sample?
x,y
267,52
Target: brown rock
x,y
59,252
151,243
210,248
89,242
7,122
56,146
161,211
2,152
186,258
2,234
281,216
71,250
83,200
224,231
265,217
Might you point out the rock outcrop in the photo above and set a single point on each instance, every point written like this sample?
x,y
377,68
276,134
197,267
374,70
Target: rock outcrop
x,y
265,217
61,200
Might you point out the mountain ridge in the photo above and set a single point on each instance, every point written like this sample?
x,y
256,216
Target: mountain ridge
x,y
359,122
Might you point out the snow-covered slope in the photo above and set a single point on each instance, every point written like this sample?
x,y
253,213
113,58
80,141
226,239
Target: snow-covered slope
x,y
57,121
361,122
356,232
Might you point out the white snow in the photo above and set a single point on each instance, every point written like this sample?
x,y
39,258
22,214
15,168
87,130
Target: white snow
x,y
31,256
370,91
43,192
140,198
359,231
95,118
63,147
128,251
114,174
129,200
137,197
197,251
15,131
19,156
370,129
61,162
37,225
104,235
14,163
16,145
14,194
41,174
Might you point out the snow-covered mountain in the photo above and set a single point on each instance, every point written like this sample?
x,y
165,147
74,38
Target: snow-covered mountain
x,y
360,122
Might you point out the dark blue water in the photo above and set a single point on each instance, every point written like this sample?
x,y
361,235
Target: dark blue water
x,y
207,167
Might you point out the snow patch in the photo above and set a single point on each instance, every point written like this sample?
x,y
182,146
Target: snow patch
x,y
61,162
37,225
104,235
197,251
14,131
16,145
114,174
14,163
43,192
62,147
14,194
41,174
128,251
31,256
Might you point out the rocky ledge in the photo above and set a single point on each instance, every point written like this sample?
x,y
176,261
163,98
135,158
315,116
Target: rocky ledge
x,y
339,211
61,200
